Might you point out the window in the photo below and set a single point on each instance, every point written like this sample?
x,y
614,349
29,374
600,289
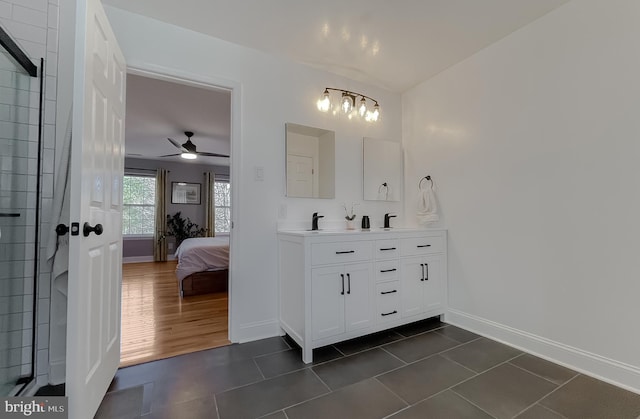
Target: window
x,y
222,202
138,205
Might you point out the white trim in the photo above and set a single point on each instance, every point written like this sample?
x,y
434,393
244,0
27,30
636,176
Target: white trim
x,y
57,372
258,330
146,69
597,366
139,259
136,237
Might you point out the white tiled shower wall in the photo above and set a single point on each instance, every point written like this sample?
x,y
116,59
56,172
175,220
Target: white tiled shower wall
x,y
33,24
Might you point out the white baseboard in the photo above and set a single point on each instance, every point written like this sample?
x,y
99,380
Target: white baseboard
x,y
139,259
258,330
605,369
57,372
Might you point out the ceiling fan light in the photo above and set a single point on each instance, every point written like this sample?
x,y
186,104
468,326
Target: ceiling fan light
x,y
188,156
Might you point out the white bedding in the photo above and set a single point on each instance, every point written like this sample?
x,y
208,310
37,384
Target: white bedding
x,y
202,254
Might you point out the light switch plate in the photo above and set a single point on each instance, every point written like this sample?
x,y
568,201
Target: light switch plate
x,y
259,173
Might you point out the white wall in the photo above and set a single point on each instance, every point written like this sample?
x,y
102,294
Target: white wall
x,y
534,144
273,91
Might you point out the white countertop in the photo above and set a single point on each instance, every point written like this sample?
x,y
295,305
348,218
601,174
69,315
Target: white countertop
x,y
338,232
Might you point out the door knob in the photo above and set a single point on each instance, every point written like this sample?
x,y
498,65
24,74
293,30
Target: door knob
x,y
62,229
87,229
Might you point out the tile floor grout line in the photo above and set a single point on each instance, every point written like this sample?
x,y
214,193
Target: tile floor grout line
x,y
533,373
403,362
551,410
337,349
472,403
258,367
215,403
477,374
402,338
393,392
321,380
547,395
396,412
457,363
459,344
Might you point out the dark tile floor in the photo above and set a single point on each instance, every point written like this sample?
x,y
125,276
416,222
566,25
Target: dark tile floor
x,y
423,370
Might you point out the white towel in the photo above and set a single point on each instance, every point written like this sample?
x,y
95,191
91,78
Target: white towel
x,y
427,212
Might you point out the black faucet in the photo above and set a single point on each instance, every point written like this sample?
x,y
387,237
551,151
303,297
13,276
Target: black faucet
x,y
386,220
314,220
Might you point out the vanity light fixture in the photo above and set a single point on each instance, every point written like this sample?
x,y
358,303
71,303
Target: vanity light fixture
x,y
348,104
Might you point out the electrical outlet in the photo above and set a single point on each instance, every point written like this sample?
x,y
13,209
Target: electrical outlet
x,y
282,211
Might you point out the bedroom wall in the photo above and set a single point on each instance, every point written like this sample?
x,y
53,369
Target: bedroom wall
x,y
138,249
272,91
533,143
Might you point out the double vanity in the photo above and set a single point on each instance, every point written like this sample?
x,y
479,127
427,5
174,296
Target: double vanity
x,y
338,285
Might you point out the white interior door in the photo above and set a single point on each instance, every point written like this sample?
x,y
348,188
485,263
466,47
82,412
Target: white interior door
x,y
299,176
95,261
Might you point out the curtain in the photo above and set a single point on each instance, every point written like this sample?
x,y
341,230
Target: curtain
x,y
160,238
210,203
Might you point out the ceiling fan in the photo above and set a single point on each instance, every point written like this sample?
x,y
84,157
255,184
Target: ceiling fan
x,y
188,150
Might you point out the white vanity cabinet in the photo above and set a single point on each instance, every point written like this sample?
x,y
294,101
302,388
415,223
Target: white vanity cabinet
x,y
341,299
339,285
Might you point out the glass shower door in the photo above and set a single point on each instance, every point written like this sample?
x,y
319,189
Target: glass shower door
x,y
19,145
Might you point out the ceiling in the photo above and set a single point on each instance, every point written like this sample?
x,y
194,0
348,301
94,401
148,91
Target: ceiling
x,y
158,109
392,44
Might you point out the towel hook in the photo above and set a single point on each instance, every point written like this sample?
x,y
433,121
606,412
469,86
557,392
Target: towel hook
x,y
384,185
427,178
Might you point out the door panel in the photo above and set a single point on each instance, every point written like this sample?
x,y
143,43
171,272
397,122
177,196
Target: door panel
x,y
299,176
359,297
97,160
327,302
412,286
432,285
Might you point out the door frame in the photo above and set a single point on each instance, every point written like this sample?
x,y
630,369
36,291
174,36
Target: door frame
x,y
207,82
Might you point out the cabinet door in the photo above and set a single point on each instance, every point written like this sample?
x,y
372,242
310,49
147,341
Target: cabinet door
x,y
358,296
327,301
433,282
411,273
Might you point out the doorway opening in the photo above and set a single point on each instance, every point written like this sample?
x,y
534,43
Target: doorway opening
x,y
176,218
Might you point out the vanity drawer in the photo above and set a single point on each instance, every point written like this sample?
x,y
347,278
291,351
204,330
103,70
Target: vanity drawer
x,y
387,270
341,252
388,301
417,246
387,249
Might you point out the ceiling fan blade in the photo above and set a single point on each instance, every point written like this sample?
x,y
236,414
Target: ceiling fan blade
x,y
170,155
178,145
204,153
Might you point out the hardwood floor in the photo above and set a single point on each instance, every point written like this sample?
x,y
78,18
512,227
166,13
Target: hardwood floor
x,y
157,323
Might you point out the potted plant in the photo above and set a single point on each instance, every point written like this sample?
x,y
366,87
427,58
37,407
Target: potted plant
x,y
182,229
349,216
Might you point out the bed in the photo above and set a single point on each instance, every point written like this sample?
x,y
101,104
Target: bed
x,y
203,265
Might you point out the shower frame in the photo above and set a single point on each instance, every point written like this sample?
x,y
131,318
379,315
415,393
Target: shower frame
x,y
32,70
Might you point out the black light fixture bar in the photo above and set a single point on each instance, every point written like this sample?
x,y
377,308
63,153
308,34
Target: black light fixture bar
x,y
351,93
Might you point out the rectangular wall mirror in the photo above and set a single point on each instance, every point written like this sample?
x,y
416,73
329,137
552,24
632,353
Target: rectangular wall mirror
x,y
310,156
382,170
